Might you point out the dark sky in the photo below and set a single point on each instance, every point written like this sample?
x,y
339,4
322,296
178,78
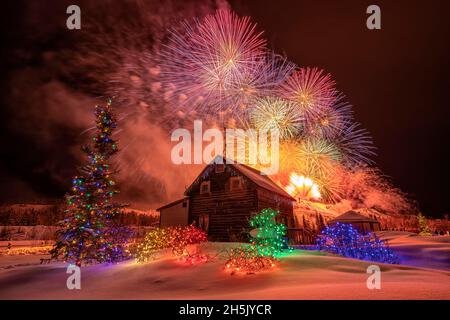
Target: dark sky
x,y
397,78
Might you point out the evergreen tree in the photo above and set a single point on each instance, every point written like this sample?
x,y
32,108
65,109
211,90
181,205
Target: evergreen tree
x,y
424,230
90,231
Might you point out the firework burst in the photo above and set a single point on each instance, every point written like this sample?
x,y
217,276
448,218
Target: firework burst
x,y
311,90
319,160
356,145
290,158
317,149
316,159
304,187
331,120
231,42
218,69
310,157
203,61
274,113
261,79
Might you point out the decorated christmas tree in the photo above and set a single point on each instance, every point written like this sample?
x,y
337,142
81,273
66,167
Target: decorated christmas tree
x,y
90,232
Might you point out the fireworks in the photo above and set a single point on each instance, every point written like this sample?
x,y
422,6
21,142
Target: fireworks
x,y
274,113
311,90
356,145
218,69
202,64
260,80
230,41
303,187
315,159
290,158
330,121
319,148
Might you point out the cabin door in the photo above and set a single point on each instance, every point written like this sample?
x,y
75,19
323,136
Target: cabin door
x,y
203,222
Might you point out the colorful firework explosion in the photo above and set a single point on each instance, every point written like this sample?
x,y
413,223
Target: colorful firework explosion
x,y
202,63
274,113
311,90
218,68
331,120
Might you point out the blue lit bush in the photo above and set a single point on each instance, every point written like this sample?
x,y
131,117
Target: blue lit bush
x,y
343,239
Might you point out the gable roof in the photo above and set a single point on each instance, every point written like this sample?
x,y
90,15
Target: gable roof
x,y
173,203
254,175
352,216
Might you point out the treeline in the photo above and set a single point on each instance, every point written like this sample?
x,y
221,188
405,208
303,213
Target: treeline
x,y
49,215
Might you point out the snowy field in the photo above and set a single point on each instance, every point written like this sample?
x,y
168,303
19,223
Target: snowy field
x,y
301,275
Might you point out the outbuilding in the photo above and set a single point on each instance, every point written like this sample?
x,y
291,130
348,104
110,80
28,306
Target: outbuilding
x,y
357,220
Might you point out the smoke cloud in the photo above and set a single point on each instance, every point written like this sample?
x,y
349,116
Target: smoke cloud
x,y
57,76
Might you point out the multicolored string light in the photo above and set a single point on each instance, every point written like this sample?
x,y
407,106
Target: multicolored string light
x,y
270,238
89,233
177,238
263,250
247,259
345,240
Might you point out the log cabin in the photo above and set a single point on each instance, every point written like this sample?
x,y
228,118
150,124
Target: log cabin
x,y
222,199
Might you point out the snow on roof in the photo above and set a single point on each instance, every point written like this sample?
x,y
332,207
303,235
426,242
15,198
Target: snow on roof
x,y
352,216
261,180
254,175
306,206
149,212
170,204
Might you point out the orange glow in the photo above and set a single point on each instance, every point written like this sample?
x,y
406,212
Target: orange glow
x,y
302,186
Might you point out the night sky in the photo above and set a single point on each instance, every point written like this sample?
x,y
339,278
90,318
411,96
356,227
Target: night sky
x,y
397,79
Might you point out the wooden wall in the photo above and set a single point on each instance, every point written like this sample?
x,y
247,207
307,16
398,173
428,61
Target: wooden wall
x,y
267,199
175,215
229,211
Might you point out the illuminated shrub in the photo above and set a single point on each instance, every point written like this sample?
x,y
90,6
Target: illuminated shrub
x,y
264,247
249,260
175,238
343,239
270,239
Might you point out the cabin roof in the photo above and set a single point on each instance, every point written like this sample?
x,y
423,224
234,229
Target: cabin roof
x,y
254,175
352,216
173,203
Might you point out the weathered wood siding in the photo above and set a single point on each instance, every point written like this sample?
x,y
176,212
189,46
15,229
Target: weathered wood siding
x,y
267,199
228,213
175,215
230,210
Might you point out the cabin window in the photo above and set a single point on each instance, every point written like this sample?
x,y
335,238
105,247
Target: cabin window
x,y
220,167
205,187
235,183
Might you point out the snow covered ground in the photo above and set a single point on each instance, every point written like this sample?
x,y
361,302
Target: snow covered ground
x,y
301,275
420,251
